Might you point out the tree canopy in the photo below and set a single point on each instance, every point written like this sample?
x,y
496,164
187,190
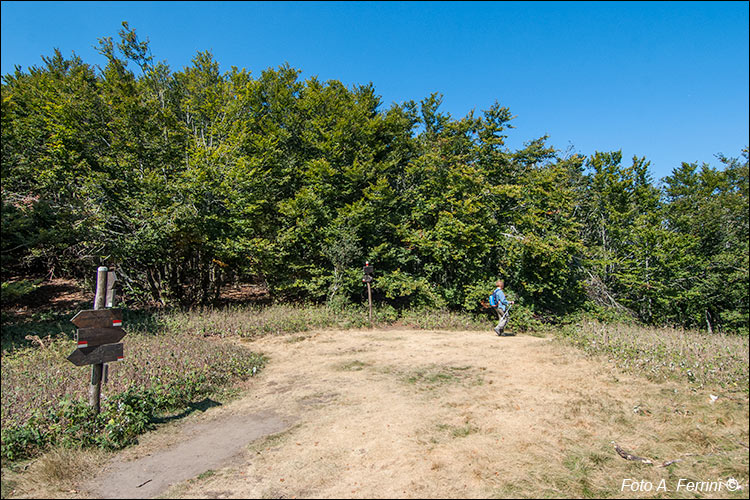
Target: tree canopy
x,y
189,180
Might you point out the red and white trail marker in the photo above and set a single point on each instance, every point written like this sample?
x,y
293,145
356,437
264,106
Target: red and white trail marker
x,y
98,328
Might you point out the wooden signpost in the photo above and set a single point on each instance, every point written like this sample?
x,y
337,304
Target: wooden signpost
x,y
368,279
98,327
99,331
96,355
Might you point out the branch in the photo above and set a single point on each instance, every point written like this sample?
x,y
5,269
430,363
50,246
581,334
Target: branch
x,y
14,248
629,456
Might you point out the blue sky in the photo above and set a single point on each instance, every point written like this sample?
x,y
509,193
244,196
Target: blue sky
x,y
664,80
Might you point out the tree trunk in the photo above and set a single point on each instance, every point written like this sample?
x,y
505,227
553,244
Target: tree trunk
x,y
217,285
154,287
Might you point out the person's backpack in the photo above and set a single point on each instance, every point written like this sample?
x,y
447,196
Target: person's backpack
x,y
493,300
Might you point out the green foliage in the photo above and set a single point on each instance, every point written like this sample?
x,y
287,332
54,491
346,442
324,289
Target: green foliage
x,y
14,290
123,418
710,208
523,319
675,257
402,287
188,180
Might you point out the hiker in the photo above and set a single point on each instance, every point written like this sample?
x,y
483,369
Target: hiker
x,y
500,304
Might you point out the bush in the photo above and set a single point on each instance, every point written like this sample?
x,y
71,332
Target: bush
x,y
123,417
523,319
403,288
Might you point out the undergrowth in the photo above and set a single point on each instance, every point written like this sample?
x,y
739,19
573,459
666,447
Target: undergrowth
x,y
661,353
44,397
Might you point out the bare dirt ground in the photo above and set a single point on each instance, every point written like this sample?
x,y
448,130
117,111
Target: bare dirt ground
x,y
427,414
55,294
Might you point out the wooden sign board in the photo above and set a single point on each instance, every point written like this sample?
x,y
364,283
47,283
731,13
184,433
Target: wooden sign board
x,y
94,355
98,318
92,337
367,269
98,332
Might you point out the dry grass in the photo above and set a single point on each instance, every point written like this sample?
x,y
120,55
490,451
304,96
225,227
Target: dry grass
x,y
434,376
404,413
410,420
39,379
55,474
696,357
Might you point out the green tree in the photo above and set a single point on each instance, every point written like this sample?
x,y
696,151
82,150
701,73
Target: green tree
x,y
709,208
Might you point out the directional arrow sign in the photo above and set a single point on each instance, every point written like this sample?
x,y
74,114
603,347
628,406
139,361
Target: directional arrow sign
x,y
91,337
94,355
98,318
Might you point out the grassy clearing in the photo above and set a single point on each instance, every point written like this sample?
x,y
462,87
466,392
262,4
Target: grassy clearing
x,y
541,425
171,361
703,360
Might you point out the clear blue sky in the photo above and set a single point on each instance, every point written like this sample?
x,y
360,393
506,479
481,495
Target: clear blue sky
x,y
668,81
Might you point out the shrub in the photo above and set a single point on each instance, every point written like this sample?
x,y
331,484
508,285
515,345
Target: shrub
x,y
523,319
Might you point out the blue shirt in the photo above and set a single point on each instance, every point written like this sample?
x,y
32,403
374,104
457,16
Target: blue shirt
x,y
502,302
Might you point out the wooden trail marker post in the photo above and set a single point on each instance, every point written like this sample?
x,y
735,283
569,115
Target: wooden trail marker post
x,y
368,279
99,331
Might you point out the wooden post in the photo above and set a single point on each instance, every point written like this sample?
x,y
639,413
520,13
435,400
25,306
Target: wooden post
x,y
367,279
95,389
369,299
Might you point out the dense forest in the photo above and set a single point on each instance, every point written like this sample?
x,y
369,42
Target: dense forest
x,y
188,181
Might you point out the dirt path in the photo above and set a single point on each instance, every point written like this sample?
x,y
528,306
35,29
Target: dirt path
x,y
203,446
401,413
